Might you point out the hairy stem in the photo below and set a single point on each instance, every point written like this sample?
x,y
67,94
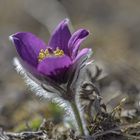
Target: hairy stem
x,y
78,117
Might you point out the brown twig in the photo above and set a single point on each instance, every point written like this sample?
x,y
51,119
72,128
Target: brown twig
x,y
38,135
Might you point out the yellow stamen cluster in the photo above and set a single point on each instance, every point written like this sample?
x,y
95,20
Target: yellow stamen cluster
x,y
43,54
58,52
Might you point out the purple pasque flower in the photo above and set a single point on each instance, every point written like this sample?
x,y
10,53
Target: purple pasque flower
x,y
55,59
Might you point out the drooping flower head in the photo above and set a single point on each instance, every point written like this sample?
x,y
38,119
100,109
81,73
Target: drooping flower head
x,y
55,59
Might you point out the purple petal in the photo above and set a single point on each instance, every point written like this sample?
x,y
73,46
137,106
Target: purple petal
x,y
75,41
60,37
29,68
28,46
78,63
82,55
55,67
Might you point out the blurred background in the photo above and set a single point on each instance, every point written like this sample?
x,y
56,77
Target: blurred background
x,y
115,32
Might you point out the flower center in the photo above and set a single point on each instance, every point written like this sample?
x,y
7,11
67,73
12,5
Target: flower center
x,y
49,53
